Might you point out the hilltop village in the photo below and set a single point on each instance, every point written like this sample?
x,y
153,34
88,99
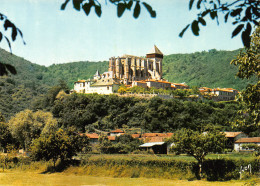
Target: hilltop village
x,y
145,72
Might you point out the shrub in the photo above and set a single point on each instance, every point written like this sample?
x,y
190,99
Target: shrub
x,y
167,167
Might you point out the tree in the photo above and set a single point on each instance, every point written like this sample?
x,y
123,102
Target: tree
x,y
126,144
248,62
5,135
60,144
46,101
197,144
8,25
28,125
122,5
243,13
105,145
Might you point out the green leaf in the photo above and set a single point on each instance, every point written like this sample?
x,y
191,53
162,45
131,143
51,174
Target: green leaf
x,y
236,12
9,44
3,69
137,9
190,4
195,27
120,9
255,11
246,35
149,9
21,34
213,14
246,39
226,17
255,22
14,33
182,32
8,24
248,13
11,68
98,10
63,6
86,7
202,21
129,5
203,14
237,30
248,28
198,4
76,4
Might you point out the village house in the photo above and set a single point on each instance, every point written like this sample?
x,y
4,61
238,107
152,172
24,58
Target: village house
x,y
175,86
93,137
156,142
232,137
219,94
101,84
240,142
116,132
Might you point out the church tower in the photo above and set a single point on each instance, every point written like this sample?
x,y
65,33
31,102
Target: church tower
x,y
157,56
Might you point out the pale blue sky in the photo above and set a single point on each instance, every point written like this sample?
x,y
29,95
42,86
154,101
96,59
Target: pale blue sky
x,y
55,36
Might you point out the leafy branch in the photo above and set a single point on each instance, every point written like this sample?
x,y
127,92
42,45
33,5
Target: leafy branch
x,y
244,13
7,24
122,5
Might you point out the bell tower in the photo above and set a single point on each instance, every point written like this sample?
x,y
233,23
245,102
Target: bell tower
x,y
157,56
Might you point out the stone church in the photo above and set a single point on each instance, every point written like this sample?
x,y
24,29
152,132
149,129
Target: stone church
x,y
128,68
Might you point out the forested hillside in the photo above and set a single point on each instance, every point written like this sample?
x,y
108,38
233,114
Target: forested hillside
x,y
32,80
71,72
208,69
18,91
211,69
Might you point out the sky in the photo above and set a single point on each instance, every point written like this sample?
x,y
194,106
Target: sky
x,y
54,36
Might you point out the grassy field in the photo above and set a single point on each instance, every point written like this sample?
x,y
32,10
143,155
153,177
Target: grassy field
x,y
119,170
35,178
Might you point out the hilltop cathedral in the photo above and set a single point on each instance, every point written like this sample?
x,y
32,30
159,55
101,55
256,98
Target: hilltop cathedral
x,y
129,70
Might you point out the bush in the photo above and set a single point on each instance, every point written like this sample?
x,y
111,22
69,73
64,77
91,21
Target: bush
x,y
166,167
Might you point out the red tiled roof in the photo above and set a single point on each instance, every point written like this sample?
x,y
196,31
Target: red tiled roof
x,y
180,84
157,134
92,135
224,89
117,131
136,135
140,82
111,138
159,81
231,134
248,140
80,81
154,139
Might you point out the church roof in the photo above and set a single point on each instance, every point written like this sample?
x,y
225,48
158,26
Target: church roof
x,y
155,50
97,73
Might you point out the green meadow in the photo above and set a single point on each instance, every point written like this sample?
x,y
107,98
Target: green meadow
x,y
17,177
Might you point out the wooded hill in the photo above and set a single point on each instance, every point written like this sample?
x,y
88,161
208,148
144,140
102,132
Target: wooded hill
x,y
211,69
204,69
